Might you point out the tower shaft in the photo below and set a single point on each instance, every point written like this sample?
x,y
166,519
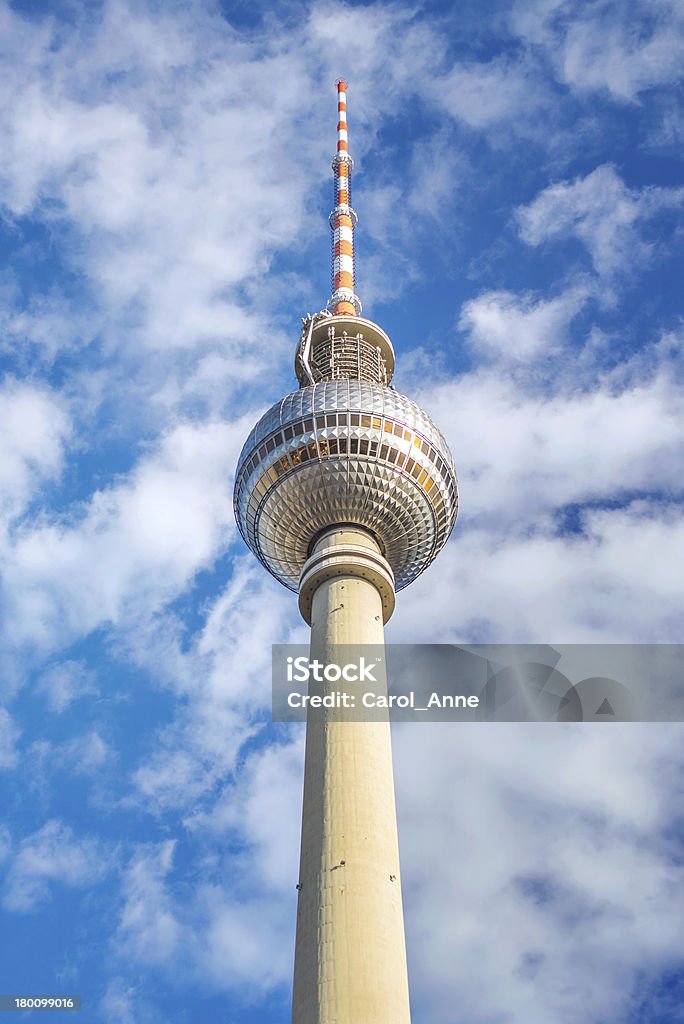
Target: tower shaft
x,y
350,958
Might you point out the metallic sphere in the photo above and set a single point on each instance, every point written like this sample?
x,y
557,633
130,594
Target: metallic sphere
x,y
345,451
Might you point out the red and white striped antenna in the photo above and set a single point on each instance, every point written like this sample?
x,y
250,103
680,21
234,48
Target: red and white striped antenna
x,y
343,219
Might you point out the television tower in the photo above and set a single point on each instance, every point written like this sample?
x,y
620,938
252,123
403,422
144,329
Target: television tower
x,y
345,491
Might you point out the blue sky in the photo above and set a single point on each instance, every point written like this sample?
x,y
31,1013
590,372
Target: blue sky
x,y
164,189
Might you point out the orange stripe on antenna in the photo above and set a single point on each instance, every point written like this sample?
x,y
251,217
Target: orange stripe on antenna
x,y
344,299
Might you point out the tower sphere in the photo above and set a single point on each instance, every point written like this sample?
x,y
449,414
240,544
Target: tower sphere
x,y
346,448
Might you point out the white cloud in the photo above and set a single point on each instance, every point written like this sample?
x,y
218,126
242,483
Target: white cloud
x,y
53,855
5,843
135,545
224,678
531,19
42,324
48,764
394,52
399,212
616,582
120,1002
125,1001
255,811
667,129
86,754
34,428
606,47
624,57
9,733
586,896
236,931
525,448
600,211
148,931
64,683
239,630
516,328
243,934
605,448
245,945
500,92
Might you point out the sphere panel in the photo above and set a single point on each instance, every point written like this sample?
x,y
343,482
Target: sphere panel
x,y
346,394
345,451
406,523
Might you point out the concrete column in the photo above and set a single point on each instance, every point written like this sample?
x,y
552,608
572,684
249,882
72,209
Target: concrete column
x,y
350,956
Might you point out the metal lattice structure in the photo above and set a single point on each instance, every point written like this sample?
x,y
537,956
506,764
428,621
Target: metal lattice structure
x,y
334,348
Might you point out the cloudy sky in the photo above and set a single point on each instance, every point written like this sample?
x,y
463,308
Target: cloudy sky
x,y
164,189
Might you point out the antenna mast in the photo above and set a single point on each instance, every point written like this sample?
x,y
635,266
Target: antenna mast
x,y
343,219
